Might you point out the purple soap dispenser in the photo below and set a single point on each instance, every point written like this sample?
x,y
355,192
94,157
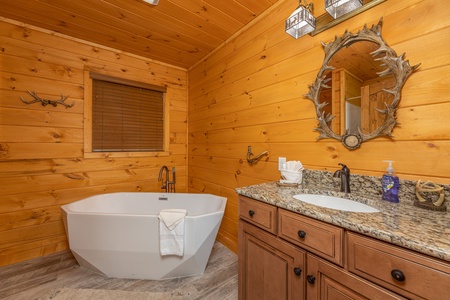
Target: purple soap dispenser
x,y
390,184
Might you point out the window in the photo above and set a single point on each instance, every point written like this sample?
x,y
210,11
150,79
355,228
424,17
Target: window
x,y
125,116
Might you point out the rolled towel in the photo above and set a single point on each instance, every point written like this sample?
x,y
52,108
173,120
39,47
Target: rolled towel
x,y
171,231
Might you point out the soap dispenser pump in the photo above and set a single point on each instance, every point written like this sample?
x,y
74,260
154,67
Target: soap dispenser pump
x,y
390,184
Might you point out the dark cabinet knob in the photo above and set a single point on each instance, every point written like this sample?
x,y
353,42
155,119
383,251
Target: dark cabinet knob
x,y
311,279
301,234
297,271
251,213
398,275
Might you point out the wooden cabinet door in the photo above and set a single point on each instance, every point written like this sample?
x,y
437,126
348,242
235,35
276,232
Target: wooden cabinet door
x,y
327,281
269,268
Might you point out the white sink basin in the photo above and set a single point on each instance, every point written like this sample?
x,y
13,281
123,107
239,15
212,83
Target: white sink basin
x,y
336,203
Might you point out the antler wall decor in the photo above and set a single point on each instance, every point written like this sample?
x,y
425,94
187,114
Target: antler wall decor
x,y
255,159
45,102
393,65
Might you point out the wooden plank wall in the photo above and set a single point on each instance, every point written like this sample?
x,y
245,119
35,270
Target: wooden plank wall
x,y
249,93
41,148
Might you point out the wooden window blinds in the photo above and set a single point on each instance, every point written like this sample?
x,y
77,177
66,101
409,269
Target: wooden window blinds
x,y
126,116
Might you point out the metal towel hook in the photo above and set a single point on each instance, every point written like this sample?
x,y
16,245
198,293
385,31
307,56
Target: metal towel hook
x,y
255,159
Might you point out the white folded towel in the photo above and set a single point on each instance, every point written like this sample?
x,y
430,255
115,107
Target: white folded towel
x,y
171,231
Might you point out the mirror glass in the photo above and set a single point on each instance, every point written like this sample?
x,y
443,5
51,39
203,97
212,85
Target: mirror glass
x,y
357,90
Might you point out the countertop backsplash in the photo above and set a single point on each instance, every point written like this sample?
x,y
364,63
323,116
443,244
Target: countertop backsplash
x,y
363,185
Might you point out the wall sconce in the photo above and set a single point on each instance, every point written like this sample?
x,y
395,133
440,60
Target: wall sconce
x,y
301,21
152,2
326,21
337,8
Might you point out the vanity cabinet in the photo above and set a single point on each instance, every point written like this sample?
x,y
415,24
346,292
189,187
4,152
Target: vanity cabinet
x,y
285,255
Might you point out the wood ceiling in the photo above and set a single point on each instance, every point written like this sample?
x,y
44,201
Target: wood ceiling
x,y
177,32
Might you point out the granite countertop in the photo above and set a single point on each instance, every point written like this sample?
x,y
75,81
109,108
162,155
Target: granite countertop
x,y
401,224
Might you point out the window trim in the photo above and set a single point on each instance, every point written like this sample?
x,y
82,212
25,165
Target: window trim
x,y
87,147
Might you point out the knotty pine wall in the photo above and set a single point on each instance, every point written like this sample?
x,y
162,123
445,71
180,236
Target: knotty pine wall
x,y
41,148
249,93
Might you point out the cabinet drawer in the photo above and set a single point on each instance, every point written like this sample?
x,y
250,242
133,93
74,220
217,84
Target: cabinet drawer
x,y
408,273
258,213
315,236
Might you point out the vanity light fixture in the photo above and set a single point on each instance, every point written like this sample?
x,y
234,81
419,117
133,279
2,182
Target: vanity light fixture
x,y
152,2
301,21
337,8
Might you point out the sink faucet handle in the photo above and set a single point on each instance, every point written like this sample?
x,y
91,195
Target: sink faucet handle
x,y
344,168
344,174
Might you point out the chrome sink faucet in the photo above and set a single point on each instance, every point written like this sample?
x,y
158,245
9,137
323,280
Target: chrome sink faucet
x,y
167,185
344,175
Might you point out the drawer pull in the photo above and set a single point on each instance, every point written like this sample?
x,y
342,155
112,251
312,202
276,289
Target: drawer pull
x,y
301,234
398,275
311,279
297,271
251,213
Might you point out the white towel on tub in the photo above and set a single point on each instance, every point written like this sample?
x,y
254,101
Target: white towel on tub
x,y
171,231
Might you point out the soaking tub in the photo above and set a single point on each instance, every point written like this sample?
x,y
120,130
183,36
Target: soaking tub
x,y
118,234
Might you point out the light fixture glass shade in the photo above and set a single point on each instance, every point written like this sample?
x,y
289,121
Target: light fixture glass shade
x,y
337,8
300,22
152,2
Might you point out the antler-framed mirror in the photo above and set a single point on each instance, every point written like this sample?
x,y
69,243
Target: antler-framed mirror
x,y
358,88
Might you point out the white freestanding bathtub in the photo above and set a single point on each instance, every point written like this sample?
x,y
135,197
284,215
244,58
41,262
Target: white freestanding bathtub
x,y
118,234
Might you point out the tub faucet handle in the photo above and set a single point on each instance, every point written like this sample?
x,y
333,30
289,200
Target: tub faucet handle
x,y
166,184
